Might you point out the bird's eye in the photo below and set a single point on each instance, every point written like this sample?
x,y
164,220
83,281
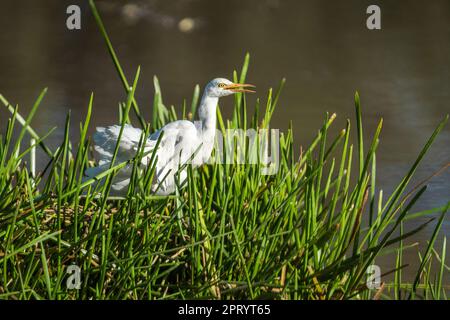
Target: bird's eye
x,y
221,85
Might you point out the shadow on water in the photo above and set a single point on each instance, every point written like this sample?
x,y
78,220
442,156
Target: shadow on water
x,y
402,72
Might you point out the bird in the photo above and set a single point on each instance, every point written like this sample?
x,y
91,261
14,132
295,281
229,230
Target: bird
x,y
181,141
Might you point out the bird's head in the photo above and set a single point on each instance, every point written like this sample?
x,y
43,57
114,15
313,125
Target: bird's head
x,y
221,87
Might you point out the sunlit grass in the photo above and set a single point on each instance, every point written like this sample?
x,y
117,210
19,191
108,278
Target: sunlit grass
x,y
231,233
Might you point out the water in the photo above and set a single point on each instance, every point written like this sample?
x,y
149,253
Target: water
x,y
402,72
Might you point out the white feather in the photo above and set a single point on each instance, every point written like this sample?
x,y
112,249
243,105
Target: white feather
x,y
182,142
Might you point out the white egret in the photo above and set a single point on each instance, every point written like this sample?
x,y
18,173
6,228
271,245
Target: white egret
x,y
182,141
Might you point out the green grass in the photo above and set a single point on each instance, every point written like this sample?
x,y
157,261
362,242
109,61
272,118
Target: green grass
x,y
231,233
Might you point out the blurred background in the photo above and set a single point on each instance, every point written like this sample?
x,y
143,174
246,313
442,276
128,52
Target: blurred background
x,y
323,48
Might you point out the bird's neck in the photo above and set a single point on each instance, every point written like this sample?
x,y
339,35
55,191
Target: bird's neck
x,y
207,114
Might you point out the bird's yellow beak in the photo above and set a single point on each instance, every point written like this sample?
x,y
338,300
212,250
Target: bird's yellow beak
x,y
239,87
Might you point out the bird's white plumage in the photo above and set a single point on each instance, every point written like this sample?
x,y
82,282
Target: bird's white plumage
x,y
182,142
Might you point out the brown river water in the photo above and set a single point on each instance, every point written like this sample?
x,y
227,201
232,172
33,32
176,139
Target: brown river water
x,y
322,48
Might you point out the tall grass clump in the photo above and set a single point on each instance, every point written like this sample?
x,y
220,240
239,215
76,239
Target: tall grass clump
x,y
309,231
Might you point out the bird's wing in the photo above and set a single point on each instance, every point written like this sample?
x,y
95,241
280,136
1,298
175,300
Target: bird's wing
x,y
105,139
179,143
